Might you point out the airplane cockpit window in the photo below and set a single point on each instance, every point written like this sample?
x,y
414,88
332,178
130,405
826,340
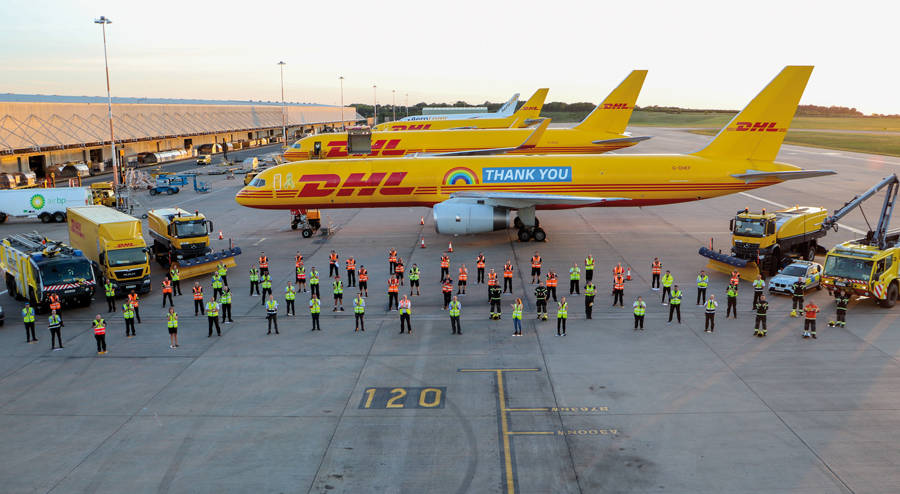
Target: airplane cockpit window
x,y
258,182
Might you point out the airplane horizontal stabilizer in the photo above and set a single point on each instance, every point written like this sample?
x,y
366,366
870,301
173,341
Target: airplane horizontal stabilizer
x,y
516,200
754,175
623,140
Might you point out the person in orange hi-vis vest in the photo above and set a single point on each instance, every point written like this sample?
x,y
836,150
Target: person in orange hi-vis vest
x,y
133,300
393,293
552,281
364,280
462,280
445,266
392,260
198,299
447,291
479,264
656,272
809,324
333,265
536,262
263,263
351,271
507,276
56,305
167,292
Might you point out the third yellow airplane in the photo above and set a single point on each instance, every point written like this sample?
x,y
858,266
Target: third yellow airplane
x,y
472,194
602,130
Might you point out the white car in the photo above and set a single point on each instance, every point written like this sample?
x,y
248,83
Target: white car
x,y
807,271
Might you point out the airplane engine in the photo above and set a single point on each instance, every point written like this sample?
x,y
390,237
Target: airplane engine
x,y
456,216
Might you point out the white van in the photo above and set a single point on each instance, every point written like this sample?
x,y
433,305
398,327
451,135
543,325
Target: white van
x,y
46,204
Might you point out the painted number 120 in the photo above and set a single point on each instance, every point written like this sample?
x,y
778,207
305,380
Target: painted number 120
x,y
403,397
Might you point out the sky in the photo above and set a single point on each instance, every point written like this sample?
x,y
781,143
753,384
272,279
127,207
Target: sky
x,y
700,54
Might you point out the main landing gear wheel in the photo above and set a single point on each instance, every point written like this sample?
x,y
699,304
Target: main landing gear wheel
x,y
539,235
524,235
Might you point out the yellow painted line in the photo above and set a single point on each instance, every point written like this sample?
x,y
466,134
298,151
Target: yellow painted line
x,y
504,428
529,433
545,409
498,370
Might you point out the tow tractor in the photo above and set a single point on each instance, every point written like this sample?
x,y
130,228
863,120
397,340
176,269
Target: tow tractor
x,y
868,267
307,220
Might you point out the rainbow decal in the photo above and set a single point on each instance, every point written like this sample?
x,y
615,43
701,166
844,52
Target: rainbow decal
x,y
460,176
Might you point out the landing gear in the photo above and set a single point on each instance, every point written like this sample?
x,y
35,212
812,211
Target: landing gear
x,y
308,221
529,226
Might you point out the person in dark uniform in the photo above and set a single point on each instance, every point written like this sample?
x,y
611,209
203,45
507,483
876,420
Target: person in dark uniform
x,y
762,308
758,286
110,291
841,301
494,295
315,308
128,315
675,304
54,325
731,293
225,303
797,291
272,313
175,276
405,312
455,308
99,326
710,324
590,291
212,315
540,300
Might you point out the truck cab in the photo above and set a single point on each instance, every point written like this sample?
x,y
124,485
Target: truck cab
x,y
178,234
864,270
771,237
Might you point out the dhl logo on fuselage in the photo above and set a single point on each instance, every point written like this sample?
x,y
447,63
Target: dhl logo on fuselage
x,y
616,106
410,126
326,184
756,127
383,146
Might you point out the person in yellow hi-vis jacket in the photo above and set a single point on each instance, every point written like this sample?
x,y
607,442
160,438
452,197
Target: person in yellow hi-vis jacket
x,y
562,313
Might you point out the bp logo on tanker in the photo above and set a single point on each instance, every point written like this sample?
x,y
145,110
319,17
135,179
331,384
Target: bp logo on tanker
x,y
38,201
526,174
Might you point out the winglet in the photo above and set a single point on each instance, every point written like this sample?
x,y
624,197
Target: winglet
x,y
509,107
756,133
613,114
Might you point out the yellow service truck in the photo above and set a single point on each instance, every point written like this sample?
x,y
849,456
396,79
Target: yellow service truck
x,y
114,242
182,237
36,267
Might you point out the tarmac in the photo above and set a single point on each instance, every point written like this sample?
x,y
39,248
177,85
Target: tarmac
x,y
668,409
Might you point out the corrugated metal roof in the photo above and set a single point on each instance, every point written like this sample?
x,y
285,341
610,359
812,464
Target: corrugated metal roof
x,y
55,98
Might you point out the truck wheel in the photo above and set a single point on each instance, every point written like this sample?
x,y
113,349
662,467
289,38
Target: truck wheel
x,y
811,252
3,217
307,232
45,217
891,299
153,192
293,225
59,217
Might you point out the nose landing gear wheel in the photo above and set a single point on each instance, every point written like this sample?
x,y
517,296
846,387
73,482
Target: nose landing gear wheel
x,y
539,235
306,233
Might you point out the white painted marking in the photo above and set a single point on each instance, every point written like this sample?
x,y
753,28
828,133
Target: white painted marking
x,y
259,241
751,196
3,292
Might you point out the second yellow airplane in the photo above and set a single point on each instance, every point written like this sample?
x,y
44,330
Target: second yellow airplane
x,y
601,131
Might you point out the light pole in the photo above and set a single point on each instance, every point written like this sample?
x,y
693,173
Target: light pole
x,y
394,104
375,103
407,104
103,21
342,101
283,121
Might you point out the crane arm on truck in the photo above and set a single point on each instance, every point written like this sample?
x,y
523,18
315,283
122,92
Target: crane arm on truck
x,y
891,182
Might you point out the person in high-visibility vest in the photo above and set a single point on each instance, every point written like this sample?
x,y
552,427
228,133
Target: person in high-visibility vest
x,y
517,317
359,312
175,276
590,291
540,300
619,290
222,271
809,323
405,312
492,279
99,326
797,292
314,282
217,285
54,323
266,287
507,276
272,314
198,299
639,309
301,278
562,314
254,281
462,280
315,308
710,324
128,315
702,283
167,292
263,263
675,304
762,308
494,295
55,304
667,281
574,279
212,316
445,265
618,269
135,304
110,291
298,259
455,308
225,303
414,279
589,268
393,293
28,319
732,293
552,282
289,295
337,286
655,271
841,301
392,259
735,278
172,326
446,291
536,262
364,280
479,265
758,286
333,264
351,271
399,269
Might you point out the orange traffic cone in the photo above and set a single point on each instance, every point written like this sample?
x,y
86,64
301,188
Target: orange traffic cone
x,y
220,235
449,246
628,274
422,245
422,220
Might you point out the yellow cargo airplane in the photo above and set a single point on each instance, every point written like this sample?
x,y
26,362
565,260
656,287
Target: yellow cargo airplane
x,y
602,130
476,194
522,117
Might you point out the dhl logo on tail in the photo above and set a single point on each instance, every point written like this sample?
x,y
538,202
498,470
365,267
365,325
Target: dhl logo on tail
x,y
756,127
617,106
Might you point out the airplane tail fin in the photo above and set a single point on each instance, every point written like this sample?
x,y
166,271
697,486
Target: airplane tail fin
x,y
532,108
756,133
613,113
509,107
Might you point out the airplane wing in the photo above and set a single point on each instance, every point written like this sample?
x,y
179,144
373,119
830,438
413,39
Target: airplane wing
x,y
755,175
622,140
509,107
516,200
530,142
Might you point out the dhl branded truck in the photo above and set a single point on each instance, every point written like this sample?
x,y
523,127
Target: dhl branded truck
x,y
114,243
36,267
182,237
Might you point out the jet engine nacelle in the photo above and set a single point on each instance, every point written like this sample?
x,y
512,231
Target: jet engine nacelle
x,y
455,216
